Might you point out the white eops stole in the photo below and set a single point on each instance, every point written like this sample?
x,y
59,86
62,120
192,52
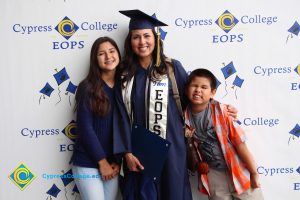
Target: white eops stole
x,y
157,106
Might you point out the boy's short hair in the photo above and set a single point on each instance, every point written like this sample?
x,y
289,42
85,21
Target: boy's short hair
x,y
200,72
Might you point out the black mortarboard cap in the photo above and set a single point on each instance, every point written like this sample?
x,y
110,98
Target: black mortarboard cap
x,y
150,149
140,20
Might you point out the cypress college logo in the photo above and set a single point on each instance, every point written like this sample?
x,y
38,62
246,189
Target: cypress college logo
x,y
66,28
22,176
227,21
66,34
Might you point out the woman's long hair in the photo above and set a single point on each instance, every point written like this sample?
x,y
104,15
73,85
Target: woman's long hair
x,y
130,59
92,86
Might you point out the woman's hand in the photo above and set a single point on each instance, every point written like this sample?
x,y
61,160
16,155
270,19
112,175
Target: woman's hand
x,y
133,163
106,170
116,169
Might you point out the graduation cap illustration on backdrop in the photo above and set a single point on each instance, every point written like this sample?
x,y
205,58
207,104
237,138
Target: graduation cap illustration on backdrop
x,y
227,71
293,30
162,32
218,83
71,89
60,77
46,90
295,132
53,192
237,82
66,178
141,20
75,191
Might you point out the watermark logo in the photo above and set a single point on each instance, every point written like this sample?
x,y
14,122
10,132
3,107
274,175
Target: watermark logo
x,y
66,28
226,21
22,176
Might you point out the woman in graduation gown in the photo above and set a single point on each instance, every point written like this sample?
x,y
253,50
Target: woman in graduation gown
x,y
141,69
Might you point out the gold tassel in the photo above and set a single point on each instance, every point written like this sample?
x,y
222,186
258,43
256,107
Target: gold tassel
x,y
157,64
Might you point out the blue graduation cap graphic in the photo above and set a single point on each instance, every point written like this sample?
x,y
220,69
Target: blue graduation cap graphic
x,y
71,89
297,69
53,192
218,83
60,77
66,178
237,82
70,131
294,30
75,189
162,32
46,90
295,132
227,71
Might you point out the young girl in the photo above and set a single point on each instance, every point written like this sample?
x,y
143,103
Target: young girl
x,y
94,163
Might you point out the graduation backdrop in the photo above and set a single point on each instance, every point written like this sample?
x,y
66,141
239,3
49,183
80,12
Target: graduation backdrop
x,y
252,47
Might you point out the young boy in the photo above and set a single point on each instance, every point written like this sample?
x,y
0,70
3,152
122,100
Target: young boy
x,y
220,142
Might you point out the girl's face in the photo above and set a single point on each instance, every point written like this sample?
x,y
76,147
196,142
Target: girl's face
x,y
108,57
143,43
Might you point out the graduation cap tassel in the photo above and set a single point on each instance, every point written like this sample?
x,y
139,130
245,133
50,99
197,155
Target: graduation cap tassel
x,y
158,49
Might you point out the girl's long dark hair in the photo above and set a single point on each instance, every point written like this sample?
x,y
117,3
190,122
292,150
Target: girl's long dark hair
x,y
130,59
92,86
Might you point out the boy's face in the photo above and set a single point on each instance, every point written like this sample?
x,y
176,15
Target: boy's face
x,y
199,91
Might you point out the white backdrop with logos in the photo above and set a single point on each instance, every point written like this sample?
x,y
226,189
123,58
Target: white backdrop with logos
x,y
45,48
